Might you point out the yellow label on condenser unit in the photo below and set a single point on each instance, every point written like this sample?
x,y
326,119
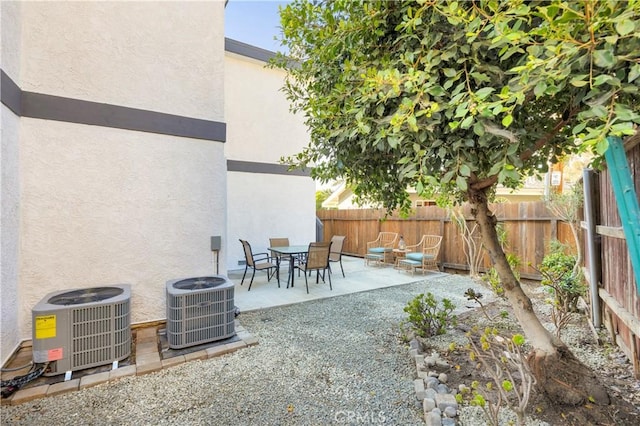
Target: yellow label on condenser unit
x,y
45,327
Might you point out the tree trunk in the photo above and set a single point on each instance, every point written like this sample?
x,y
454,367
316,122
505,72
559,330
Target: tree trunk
x,y
559,374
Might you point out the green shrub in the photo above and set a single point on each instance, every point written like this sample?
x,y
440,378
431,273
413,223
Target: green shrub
x,y
505,362
427,318
561,277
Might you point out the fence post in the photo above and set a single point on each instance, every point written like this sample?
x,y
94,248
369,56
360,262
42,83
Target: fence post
x,y
589,216
319,230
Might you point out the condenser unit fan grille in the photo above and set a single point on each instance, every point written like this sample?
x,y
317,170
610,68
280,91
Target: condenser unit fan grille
x,y
85,295
201,315
199,283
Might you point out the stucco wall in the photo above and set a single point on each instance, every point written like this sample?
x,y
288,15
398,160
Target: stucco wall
x,y
10,201
269,206
162,56
9,184
262,129
103,205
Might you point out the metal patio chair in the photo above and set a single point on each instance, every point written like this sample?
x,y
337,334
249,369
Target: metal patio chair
x,y
257,262
335,255
317,259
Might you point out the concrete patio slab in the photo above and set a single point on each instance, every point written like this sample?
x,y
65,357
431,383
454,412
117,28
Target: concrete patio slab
x,y
358,278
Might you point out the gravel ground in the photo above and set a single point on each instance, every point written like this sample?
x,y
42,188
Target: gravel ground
x,y
331,361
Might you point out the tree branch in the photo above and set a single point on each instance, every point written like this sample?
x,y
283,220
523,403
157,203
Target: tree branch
x,y
525,155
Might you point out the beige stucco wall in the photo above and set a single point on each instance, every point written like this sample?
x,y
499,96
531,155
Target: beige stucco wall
x,y
263,206
262,129
10,202
161,56
10,19
9,184
104,206
101,205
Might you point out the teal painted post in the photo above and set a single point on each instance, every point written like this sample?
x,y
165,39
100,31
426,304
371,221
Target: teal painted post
x,y
626,200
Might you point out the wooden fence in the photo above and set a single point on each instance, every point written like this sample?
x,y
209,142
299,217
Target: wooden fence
x,y
529,229
619,301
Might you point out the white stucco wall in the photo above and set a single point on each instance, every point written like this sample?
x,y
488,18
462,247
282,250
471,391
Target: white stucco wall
x,y
262,129
9,184
161,56
263,206
9,213
100,205
260,126
10,20
105,206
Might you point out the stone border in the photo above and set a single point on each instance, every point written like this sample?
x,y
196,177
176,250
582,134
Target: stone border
x,y
438,400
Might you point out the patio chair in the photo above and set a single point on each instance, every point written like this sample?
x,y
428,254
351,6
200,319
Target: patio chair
x,y
257,262
279,242
317,259
282,242
381,250
337,241
423,255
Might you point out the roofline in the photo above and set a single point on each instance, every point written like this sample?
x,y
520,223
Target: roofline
x,y
244,49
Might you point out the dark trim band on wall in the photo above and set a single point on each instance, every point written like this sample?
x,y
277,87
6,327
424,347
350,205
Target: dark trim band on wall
x,y
249,51
49,107
10,94
267,168
240,48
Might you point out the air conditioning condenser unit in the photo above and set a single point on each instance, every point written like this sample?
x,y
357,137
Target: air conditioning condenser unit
x,y
199,310
82,328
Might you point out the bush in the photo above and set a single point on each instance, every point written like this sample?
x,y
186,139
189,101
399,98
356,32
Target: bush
x,y
561,278
503,360
427,318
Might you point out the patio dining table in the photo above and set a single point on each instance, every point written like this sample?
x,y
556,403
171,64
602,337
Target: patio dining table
x,y
290,251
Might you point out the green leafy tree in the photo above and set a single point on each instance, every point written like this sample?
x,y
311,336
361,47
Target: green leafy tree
x,y
321,195
452,98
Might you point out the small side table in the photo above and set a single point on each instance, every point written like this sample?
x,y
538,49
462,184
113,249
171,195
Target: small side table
x,y
398,255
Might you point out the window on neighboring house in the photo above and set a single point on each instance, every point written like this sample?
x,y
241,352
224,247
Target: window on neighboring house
x,y
425,203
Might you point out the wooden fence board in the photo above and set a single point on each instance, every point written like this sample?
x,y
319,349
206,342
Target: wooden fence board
x,y
529,228
622,300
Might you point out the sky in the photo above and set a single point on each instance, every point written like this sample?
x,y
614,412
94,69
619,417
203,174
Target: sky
x,y
255,22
